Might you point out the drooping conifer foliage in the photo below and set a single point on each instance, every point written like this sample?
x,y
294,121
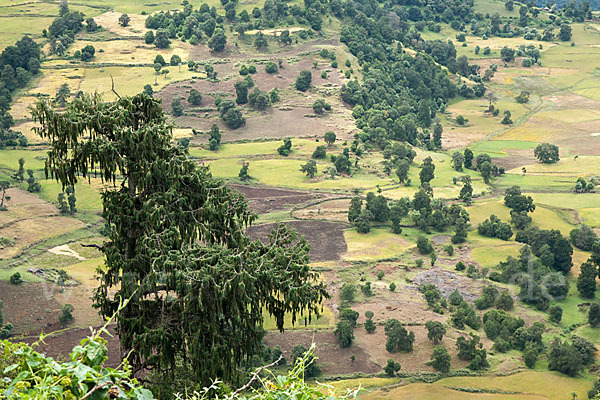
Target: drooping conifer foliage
x,y
177,244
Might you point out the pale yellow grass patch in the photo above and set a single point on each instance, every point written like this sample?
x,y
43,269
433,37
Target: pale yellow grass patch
x,y
54,78
571,115
537,129
110,21
26,128
179,133
135,52
29,231
130,80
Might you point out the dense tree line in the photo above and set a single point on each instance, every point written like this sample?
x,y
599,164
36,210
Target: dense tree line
x,y
63,29
188,24
400,93
18,64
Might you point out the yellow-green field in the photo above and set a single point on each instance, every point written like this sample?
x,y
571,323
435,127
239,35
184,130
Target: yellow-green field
x,y
525,385
380,243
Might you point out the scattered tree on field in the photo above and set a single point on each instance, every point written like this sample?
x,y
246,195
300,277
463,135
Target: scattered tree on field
x,y
392,367
435,331
344,332
309,168
329,138
440,359
124,20
547,153
398,338
194,98
304,80
66,314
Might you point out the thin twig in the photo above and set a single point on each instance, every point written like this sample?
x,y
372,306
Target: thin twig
x,y
255,375
94,389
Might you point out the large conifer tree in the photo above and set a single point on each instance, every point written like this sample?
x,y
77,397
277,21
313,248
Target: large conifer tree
x,y
177,244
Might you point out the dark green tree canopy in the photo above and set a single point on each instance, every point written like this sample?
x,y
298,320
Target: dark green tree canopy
x,y
176,244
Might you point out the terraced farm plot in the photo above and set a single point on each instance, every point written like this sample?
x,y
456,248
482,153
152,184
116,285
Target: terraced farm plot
x,y
24,205
34,159
488,252
129,80
134,52
29,231
502,148
88,195
424,391
380,243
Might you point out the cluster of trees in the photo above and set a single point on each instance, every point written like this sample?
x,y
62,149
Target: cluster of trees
x,y
344,329
444,53
303,80
214,137
527,25
398,338
471,349
188,25
482,163
583,238
570,357
258,99
278,12
18,64
553,249
285,148
63,29
425,213
398,157
434,297
509,332
520,206
589,270
67,201
230,114
416,88
494,227
86,53
581,186
320,106
539,280
492,297
465,315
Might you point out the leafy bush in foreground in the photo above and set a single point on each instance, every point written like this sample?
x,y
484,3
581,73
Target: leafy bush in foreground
x,y
32,375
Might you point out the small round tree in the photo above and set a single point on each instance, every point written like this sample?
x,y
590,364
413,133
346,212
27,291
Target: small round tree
x,y
435,331
547,153
329,137
440,359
